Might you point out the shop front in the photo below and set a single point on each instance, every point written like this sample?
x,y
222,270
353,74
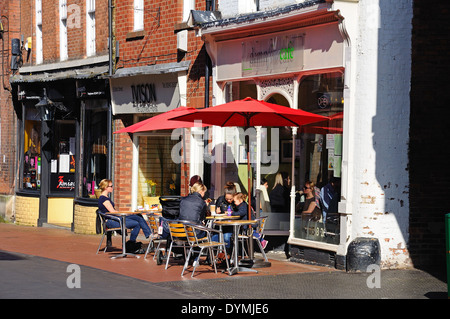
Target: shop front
x,y
145,167
63,145
296,60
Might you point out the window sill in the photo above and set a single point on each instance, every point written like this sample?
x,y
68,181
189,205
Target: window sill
x,y
135,35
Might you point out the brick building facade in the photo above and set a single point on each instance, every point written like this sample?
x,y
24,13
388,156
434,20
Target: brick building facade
x,y
10,14
157,45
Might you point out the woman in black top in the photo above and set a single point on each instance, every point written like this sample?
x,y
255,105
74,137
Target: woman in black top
x,y
193,207
310,210
279,196
106,205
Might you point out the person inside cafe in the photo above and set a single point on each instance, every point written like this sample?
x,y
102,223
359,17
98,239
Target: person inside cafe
x,y
329,197
264,202
280,194
193,207
133,221
227,199
310,209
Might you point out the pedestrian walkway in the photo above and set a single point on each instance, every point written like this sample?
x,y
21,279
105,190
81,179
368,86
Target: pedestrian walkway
x,y
64,245
283,280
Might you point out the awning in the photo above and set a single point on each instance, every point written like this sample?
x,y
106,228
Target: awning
x,y
86,73
153,69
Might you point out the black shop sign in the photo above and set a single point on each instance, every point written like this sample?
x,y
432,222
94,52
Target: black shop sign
x,y
62,182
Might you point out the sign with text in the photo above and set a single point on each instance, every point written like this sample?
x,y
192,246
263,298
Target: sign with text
x,y
276,53
152,93
60,182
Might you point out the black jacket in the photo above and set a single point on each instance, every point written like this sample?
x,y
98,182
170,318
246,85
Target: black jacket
x,y
193,208
279,199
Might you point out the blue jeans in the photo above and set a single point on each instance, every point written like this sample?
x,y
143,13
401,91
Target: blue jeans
x,y
134,222
226,239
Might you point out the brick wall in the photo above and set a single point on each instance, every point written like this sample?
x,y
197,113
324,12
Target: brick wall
x,y
429,134
27,210
123,157
8,123
76,28
84,221
156,44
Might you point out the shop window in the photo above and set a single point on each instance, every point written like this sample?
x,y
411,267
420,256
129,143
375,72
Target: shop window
x,y
32,151
159,175
321,155
62,163
94,151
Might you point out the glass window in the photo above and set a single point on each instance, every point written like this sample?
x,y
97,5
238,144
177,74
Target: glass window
x,y
62,164
138,15
94,150
32,150
321,157
158,174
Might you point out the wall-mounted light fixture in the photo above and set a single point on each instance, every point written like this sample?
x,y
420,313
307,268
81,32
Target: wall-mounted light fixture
x,y
45,107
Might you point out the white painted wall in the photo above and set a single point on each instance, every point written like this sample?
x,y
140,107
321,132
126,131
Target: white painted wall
x,y
376,123
378,151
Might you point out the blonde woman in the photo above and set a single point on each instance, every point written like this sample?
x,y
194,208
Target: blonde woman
x,y
193,207
279,196
106,205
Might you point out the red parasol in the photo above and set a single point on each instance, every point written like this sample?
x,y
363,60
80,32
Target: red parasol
x,y
161,122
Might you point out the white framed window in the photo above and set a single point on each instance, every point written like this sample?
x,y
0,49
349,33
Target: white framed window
x,y
188,5
63,55
39,54
90,27
246,6
138,15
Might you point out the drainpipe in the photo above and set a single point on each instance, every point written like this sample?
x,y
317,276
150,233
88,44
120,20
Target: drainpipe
x,y
110,73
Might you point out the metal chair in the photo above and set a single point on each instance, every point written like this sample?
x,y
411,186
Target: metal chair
x,y
259,229
103,218
154,237
202,243
177,236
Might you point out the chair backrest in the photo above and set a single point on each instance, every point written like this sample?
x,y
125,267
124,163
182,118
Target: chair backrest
x,y
191,235
177,231
261,224
99,223
153,224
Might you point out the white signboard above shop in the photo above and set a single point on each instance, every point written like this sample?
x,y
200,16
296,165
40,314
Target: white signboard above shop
x,y
150,93
276,53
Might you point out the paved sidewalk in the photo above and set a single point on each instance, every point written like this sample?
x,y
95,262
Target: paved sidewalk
x,y
57,248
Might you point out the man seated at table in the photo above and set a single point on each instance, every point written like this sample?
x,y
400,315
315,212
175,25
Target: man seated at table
x,y
135,221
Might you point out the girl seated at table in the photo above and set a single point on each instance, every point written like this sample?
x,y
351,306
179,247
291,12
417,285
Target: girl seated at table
x,y
241,209
135,221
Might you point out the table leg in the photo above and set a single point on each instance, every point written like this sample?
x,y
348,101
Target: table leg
x,y
236,269
124,249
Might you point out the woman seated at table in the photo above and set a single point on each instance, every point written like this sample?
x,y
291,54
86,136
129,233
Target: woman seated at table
x,y
227,199
193,207
310,209
135,221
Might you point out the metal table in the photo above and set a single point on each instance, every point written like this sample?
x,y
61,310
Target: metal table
x,y
123,216
236,225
